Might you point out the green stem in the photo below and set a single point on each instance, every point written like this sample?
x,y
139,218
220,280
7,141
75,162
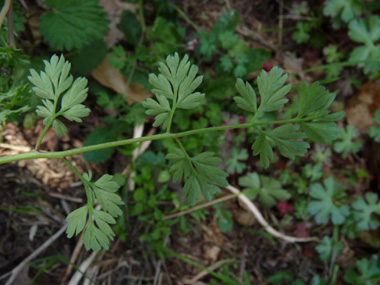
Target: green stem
x,y
80,150
174,107
44,131
185,17
86,183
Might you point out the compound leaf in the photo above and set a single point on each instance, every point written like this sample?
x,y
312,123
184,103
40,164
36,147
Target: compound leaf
x,y
263,147
56,87
199,173
177,82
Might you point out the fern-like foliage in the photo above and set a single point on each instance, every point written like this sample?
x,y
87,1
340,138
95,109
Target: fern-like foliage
x,y
313,118
96,223
199,173
73,24
174,88
61,96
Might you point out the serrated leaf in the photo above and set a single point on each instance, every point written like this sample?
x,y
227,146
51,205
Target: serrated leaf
x,y
247,99
77,220
271,89
200,174
56,85
103,190
327,202
286,137
59,127
313,98
364,210
72,24
263,147
321,132
176,82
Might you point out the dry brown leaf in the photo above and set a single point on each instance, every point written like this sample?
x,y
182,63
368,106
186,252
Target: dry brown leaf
x,y
114,8
362,107
112,78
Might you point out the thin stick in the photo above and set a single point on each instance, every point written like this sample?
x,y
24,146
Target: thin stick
x,y
201,206
18,148
45,245
4,11
259,217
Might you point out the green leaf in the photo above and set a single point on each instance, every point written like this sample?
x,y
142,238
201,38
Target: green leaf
x,y
72,24
234,166
327,202
268,190
176,82
77,220
367,33
271,89
263,146
228,39
369,272
199,173
286,137
347,9
247,99
96,50
55,85
364,210
329,247
313,99
104,190
96,236
347,141
320,131
130,27
226,63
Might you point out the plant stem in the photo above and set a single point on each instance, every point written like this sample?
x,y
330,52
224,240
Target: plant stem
x,y
90,200
62,154
44,131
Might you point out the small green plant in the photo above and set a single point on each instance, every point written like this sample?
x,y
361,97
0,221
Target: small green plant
x,y
268,190
175,89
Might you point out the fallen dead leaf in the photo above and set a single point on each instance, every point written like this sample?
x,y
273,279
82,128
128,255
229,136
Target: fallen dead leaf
x,y
112,78
361,108
114,8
